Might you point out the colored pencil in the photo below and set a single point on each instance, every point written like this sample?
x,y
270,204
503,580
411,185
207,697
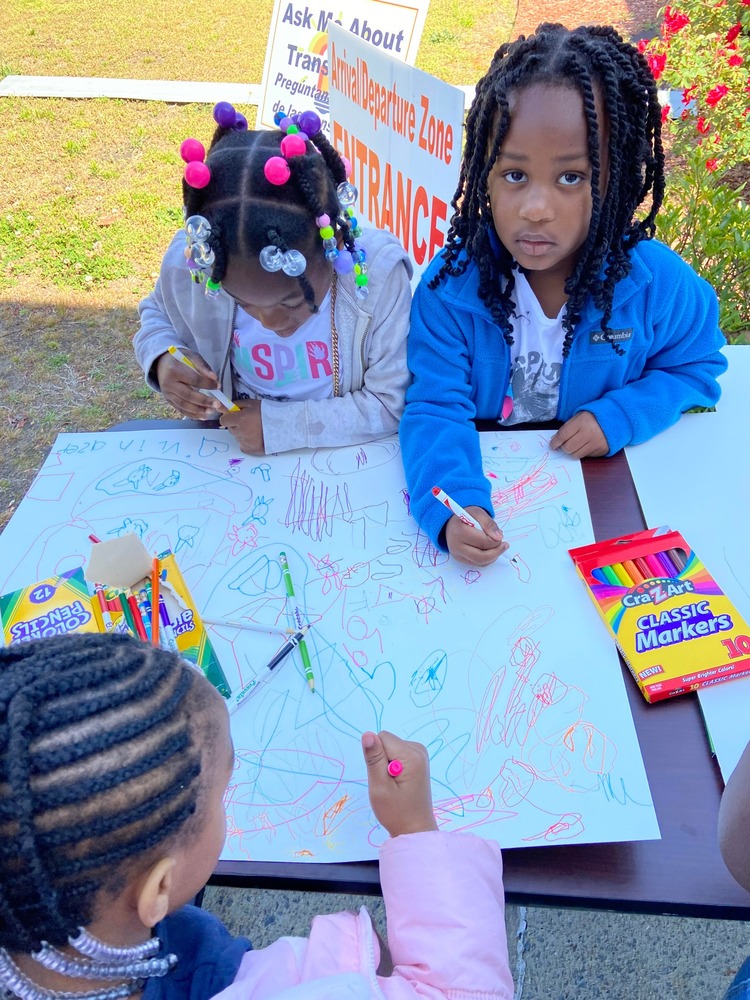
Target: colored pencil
x,y
155,601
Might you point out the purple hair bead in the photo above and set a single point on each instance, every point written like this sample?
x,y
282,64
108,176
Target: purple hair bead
x,y
309,122
343,264
224,115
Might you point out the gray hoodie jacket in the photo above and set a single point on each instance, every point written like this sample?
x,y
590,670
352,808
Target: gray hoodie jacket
x,y
372,347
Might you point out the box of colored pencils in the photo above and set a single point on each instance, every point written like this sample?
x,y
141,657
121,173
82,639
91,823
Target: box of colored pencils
x,y
54,606
675,628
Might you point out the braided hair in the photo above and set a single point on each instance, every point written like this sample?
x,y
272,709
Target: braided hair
x,y
248,213
589,59
100,767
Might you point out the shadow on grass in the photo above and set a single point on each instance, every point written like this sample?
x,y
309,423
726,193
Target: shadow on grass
x,y
63,368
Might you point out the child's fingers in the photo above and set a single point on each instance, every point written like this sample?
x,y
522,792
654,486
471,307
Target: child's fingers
x,y
489,524
208,378
467,544
374,753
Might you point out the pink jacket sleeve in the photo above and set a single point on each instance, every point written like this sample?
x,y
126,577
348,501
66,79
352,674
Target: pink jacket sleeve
x,y
446,933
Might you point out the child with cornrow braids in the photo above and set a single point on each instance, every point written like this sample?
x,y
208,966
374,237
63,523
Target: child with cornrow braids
x,y
552,300
114,759
283,302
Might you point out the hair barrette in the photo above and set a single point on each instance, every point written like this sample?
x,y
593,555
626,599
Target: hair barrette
x,y
291,262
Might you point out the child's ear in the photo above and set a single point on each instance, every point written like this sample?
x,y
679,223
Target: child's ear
x,y
154,892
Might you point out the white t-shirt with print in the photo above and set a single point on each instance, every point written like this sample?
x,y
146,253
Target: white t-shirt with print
x,y
266,366
536,357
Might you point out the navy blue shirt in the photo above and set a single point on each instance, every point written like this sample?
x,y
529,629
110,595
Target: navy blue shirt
x,y
208,957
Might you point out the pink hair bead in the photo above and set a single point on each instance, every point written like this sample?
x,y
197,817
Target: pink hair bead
x,y
323,220
347,165
192,149
293,145
197,174
276,170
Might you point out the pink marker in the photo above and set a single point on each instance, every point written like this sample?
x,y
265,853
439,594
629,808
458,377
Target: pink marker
x,y
395,768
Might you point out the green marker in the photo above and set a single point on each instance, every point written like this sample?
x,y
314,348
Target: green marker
x,y
303,652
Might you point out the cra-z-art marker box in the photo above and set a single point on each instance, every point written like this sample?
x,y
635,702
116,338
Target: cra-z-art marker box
x,y
674,626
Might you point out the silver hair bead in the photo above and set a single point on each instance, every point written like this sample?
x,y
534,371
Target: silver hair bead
x,y
147,968
271,258
197,227
294,263
20,986
92,947
347,194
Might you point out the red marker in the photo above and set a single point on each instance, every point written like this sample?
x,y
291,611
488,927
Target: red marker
x,y
395,768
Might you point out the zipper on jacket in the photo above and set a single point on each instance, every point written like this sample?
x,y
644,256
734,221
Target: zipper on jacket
x,y
362,355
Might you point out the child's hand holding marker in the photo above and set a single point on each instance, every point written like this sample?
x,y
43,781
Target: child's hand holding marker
x,y
185,379
471,535
402,802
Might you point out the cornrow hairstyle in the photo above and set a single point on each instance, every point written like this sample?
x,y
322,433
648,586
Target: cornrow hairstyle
x,y
247,212
100,767
590,60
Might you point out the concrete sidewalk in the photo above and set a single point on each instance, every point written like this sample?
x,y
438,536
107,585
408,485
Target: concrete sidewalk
x,y
569,954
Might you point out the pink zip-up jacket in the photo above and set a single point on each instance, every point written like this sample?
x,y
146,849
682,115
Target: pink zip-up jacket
x,y
445,908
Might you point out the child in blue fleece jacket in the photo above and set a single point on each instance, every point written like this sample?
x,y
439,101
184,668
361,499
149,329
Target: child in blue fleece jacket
x,y
551,300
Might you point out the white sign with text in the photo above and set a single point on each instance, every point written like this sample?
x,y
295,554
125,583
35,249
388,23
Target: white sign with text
x,y
400,128
295,73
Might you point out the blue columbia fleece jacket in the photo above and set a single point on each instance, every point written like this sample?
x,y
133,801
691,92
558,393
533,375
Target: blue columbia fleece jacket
x,y
664,317
208,957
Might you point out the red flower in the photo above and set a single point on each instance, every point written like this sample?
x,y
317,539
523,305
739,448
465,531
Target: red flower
x,y
733,32
656,64
714,96
674,21
735,60
664,113
745,3
642,44
688,93
711,165
703,126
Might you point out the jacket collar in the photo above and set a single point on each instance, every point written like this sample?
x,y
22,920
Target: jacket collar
x,y
462,291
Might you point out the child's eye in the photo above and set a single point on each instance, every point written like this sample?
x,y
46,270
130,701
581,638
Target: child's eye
x,y
514,176
570,179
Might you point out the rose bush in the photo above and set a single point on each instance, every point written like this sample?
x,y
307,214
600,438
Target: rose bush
x,y
703,54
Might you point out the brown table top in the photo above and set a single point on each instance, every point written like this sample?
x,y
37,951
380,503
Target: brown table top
x,y
682,873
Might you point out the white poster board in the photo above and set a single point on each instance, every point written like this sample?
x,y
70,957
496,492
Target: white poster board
x,y
695,477
506,674
401,130
295,72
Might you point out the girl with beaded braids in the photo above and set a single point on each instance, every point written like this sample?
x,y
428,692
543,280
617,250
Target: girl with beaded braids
x,y
552,300
278,299
114,759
